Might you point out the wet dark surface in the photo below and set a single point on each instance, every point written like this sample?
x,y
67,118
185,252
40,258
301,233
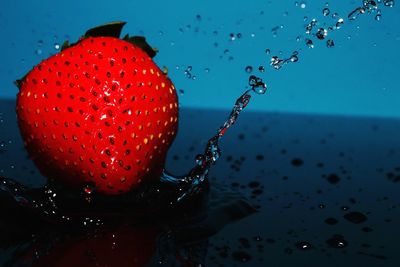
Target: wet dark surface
x,y
326,189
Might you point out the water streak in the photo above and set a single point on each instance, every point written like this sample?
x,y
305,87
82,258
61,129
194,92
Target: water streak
x,y
197,175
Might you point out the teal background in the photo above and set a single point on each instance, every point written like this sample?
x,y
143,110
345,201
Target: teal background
x,y
358,77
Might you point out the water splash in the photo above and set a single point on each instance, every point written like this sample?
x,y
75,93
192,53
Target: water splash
x,y
191,182
319,28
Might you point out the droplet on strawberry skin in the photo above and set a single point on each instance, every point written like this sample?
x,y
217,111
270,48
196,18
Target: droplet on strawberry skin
x,y
99,112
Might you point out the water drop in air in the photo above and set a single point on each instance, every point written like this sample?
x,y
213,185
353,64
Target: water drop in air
x,y
321,33
330,43
309,43
248,69
388,3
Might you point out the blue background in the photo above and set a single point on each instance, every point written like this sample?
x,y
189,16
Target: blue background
x,y
359,76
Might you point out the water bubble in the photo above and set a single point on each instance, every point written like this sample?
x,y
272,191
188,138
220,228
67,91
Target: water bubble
x,y
335,15
57,46
326,11
321,33
248,69
181,92
38,51
40,42
261,69
302,5
267,51
330,43
207,70
378,17
309,43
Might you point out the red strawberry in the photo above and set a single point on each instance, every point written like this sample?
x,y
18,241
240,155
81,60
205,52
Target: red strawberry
x,y
99,112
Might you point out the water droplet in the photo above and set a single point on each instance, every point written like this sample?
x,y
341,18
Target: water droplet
x,y
355,13
330,43
326,11
309,43
311,25
388,3
303,245
88,189
339,23
294,58
188,73
257,85
248,69
321,33
337,241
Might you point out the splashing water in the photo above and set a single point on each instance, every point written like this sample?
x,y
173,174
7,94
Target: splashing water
x,y
313,28
212,152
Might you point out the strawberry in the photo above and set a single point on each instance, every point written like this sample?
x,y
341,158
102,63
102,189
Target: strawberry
x,y
100,113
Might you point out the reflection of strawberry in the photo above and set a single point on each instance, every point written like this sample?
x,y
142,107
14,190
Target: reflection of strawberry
x,y
127,246
99,112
